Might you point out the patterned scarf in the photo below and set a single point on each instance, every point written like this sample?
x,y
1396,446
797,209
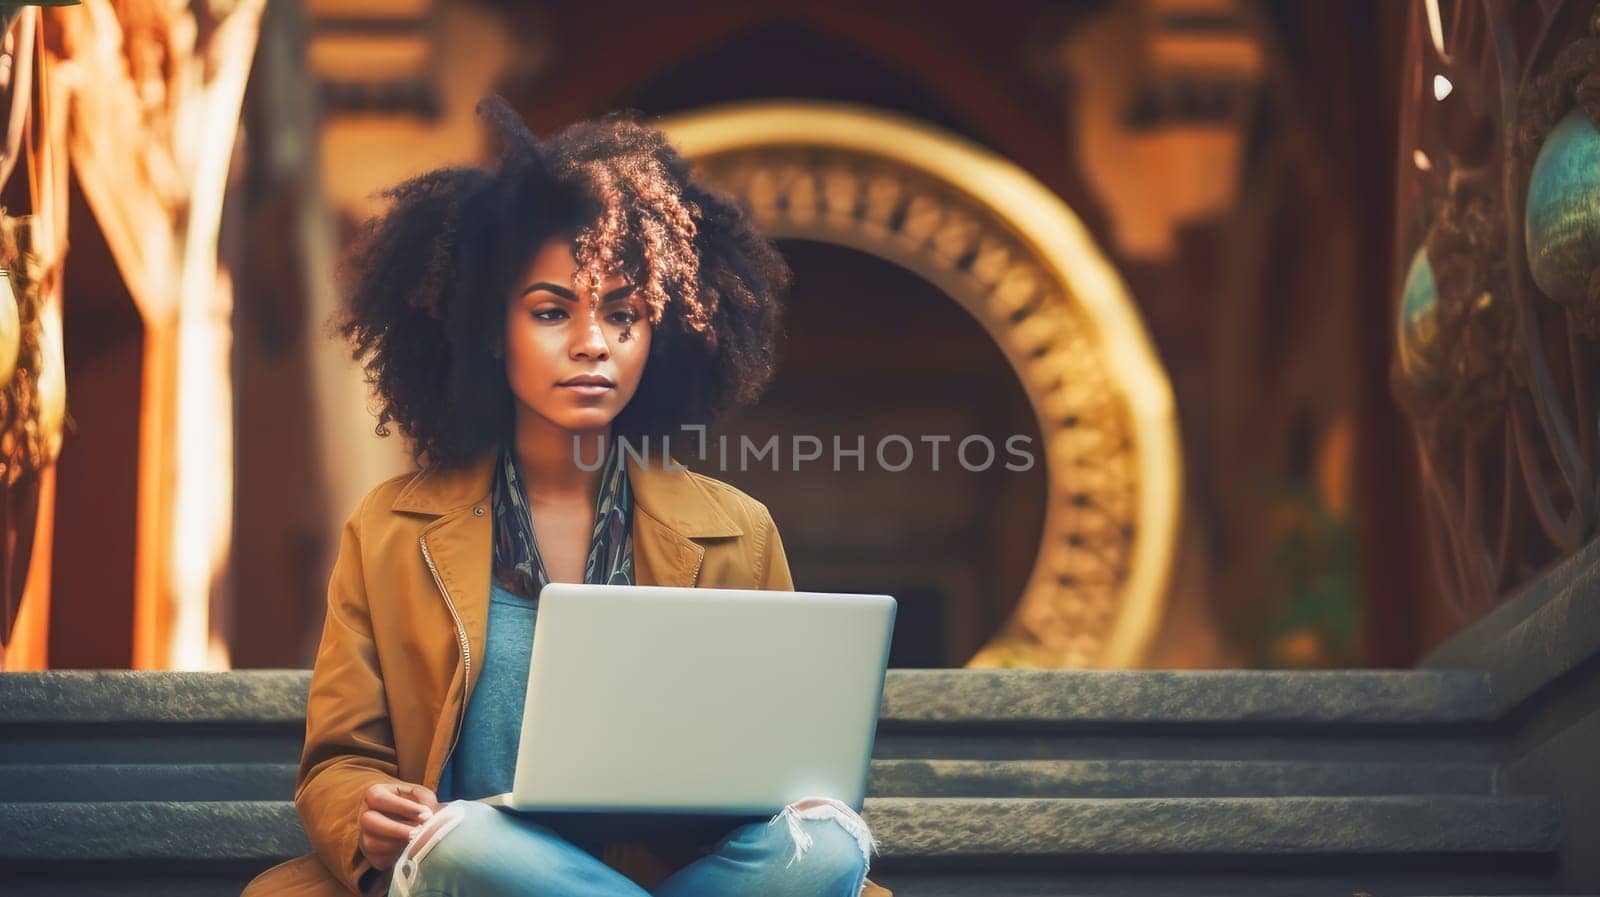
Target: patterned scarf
x,y
517,565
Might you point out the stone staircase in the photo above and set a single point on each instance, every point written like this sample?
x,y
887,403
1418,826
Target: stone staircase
x,y
995,783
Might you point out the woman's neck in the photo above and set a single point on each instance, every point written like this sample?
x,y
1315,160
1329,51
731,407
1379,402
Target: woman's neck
x,y
549,459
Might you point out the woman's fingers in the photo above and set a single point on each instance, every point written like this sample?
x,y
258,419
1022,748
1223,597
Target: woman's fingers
x,y
388,846
421,795
424,796
378,825
381,852
396,801
389,814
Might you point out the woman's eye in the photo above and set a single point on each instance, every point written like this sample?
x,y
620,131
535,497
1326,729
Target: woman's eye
x,y
624,317
550,314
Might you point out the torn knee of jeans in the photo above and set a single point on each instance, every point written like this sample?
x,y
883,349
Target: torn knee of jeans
x,y
825,808
427,836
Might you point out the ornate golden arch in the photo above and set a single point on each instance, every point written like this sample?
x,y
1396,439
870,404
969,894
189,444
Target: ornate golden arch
x,y
1010,252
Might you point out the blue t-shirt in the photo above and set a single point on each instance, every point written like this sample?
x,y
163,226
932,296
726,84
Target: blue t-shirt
x,y
485,758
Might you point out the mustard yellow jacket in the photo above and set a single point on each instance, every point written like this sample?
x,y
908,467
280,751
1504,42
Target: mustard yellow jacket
x,y
404,636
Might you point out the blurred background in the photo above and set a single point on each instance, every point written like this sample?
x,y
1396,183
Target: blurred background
x,y
1166,240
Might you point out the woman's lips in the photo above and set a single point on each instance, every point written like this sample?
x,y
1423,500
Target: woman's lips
x,y
587,389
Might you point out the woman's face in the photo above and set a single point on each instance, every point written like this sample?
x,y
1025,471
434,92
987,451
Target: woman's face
x,y
569,360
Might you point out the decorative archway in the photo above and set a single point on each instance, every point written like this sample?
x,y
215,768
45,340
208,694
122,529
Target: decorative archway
x,y
1014,256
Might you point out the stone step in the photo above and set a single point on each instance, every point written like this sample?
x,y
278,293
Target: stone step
x,y
915,834
244,743
134,697
1323,717
1002,783
1342,699
912,699
1364,717
107,782
917,829
1146,778
889,778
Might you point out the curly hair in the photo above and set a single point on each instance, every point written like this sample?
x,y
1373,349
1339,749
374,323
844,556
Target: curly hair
x,y
428,281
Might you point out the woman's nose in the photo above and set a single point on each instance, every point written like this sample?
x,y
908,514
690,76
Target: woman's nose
x,y
590,340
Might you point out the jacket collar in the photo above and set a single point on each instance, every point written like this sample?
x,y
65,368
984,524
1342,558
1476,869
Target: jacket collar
x,y
666,492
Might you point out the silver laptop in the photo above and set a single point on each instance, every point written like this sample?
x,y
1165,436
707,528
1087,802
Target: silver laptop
x,y
731,702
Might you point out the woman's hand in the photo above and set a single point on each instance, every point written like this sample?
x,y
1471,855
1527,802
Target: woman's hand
x,y
390,811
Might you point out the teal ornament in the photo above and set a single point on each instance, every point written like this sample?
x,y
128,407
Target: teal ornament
x,y
1417,328
1562,224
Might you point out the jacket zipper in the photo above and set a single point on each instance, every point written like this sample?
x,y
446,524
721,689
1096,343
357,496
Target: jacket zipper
x,y
695,578
466,648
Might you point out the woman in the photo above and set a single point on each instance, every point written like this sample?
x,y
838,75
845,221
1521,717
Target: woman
x,y
518,325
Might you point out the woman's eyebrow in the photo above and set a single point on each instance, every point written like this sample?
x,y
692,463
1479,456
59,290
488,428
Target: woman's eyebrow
x,y
561,291
565,293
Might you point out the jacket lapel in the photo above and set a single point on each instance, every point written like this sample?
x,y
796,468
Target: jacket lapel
x,y
671,511
455,548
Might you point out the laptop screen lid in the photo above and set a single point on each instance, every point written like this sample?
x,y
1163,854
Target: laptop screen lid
x,y
655,699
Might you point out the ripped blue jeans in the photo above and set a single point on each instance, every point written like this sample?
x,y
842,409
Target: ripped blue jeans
x,y
815,847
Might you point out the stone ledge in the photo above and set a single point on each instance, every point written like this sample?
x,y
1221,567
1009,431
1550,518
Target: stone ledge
x,y
1532,641
1541,648
1478,644
911,697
